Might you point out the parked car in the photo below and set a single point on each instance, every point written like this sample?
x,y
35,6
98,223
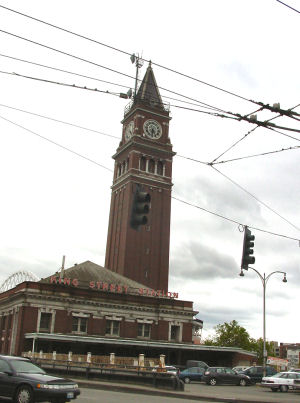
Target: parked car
x,y
25,382
217,375
191,374
282,381
168,368
240,368
195,363
294,370
256,373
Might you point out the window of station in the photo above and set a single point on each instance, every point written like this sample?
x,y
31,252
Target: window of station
x,y
45,322
175,331
79,324
144,330
112,327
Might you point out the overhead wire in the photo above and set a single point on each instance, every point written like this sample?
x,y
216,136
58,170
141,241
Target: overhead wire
x,y
233,116
62,70
108,169
60,121
62,84
254,197
105,67
241,117
129,54
102,166
231,220
118,138
250,131
254,155
57,144
297,11
103,81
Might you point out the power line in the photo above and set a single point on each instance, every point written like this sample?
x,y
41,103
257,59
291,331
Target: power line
x,y
231,220
66,30
250,131
57,144
254,197
62,70
66,85
118,138
288,6
105,67
60,121
67,54
109,82
108,169
255,155
129,54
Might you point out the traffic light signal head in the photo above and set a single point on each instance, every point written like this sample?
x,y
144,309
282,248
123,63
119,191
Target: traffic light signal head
x,y
140,208
248,249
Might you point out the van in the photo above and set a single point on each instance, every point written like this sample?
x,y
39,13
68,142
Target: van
x,y
256,373
192,363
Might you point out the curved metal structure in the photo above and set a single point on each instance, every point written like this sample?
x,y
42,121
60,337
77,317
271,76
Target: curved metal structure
x,y
18,278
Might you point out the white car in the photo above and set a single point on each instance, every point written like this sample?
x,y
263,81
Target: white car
x,y
282,381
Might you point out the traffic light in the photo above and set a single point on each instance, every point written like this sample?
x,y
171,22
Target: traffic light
x,y
140,208
247,249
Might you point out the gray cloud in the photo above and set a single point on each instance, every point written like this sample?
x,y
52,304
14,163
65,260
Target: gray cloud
x,y
199,261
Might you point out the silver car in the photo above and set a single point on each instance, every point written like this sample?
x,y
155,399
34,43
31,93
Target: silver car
x,y
282,381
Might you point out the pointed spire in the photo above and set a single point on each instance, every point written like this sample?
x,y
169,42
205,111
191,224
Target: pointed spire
x,y
148,92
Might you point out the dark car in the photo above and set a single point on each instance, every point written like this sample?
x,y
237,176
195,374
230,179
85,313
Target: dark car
x,y
256,373
25,382
217,375
191,374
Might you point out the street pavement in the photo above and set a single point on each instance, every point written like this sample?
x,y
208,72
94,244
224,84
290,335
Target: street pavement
x,y
198,391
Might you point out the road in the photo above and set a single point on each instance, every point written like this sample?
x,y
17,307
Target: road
x,y
193,392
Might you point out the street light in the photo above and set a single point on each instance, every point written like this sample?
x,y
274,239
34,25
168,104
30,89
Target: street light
x,y
264,280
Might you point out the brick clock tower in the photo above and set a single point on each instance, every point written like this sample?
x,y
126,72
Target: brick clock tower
x,y
144,160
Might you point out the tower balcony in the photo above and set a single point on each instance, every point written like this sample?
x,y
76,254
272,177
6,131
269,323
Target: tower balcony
x,y
152,104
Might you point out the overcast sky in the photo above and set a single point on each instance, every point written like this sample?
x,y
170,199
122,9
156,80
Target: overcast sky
x,y
56,203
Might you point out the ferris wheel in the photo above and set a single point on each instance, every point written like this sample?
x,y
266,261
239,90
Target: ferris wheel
x,y
18,278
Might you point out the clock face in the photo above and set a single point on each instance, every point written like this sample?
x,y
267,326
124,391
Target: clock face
x,y
129,131
152,129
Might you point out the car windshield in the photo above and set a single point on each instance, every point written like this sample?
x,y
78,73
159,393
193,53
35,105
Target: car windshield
x,y
26,367
278,375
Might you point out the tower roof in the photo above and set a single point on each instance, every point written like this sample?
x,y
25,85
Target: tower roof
x,y
148,91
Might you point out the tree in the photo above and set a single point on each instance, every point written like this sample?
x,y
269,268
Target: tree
x,y
232,335
259,348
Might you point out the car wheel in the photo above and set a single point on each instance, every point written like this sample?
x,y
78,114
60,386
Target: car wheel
x,y
243,382
283,388
24,394
213,381
187,380
274,389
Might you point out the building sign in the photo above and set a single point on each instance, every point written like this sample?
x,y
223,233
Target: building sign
x,y
115,288
280,362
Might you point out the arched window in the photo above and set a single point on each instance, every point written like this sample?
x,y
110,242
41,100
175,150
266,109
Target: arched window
x,y
151,166
143,164
160,168
119,170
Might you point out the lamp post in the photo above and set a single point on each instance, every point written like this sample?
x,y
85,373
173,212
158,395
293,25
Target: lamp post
x,y
264,280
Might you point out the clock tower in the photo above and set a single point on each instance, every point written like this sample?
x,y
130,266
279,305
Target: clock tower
x,y
143,160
